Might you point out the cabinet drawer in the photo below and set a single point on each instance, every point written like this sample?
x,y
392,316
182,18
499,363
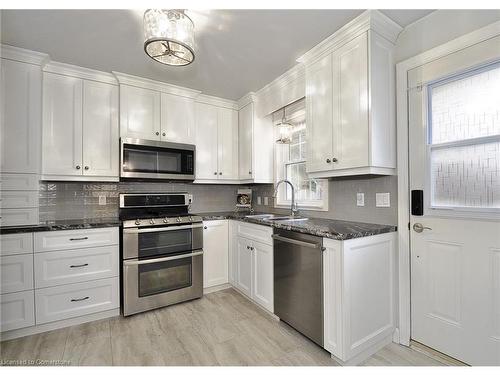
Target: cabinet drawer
x,y
16,273
75,239
17,310
17,243
255,232
19,216
19,199
15,181
70,301
72,266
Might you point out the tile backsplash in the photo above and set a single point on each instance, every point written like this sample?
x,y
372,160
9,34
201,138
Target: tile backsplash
x,y
76,200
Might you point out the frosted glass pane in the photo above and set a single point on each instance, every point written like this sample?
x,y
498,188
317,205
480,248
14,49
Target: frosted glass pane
x,y
466,176
466,108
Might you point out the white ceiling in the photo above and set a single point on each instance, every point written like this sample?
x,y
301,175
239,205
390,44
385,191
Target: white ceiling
x,y
237,51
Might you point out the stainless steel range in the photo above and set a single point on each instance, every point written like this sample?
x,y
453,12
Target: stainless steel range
x,y
162,246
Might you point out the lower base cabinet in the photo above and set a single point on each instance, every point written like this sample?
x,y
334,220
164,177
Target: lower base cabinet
x,y
215,253
359,296
17,310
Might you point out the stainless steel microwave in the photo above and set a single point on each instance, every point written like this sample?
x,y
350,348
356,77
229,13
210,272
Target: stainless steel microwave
x,y
145,159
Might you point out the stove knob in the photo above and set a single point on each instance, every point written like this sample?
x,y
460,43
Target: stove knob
x,y
178,220
137,222
165,220
151,221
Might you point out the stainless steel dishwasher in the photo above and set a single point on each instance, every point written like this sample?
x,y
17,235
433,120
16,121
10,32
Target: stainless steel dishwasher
x,y
298,282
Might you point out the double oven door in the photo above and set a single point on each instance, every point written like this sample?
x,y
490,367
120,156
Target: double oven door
x,y
161,266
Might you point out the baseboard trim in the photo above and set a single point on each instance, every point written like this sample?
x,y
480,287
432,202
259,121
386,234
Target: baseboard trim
x,y
216,288
364,355
28,331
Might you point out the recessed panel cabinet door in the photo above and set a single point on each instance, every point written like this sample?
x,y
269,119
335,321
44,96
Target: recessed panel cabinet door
x,y
62,125
263,271
245,129
215,253
177,119
100,129
20,121
206,142
139,113
244,266
228,144
319,115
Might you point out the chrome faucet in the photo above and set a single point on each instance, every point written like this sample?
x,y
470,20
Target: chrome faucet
x,y
293,206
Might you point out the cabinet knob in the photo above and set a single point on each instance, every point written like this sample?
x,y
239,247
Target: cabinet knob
x,y
87,168
157,133
215,173
163,134
77,167
204,227
249,172
335,160
328,161
220,173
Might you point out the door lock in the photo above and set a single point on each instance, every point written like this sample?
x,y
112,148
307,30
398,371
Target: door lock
x,y
419,228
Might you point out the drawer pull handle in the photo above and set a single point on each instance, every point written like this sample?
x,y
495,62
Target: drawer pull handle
x,y
79,265
79,299
79,239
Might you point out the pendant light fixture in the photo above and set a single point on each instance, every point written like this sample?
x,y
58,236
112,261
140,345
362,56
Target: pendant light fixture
x,y
169,36
284,131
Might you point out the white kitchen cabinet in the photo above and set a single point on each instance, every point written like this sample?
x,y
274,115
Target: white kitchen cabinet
x,y
216,143
177,119
215,253
17,310
263,275
20,120
19,216
75,239
359,296
16,243
16,273
244,272
19,199
80,129
256,146
140,113
350,109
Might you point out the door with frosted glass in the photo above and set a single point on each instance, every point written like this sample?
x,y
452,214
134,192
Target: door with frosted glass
x,y
454,139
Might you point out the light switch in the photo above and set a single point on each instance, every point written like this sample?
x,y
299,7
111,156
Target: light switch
x,y
360,199
266,201
102,200
383,199
259,200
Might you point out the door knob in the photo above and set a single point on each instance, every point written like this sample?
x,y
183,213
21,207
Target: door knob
x,y
157,133
164,134
335,160
215,173
86,167
328,161
419,228
77,167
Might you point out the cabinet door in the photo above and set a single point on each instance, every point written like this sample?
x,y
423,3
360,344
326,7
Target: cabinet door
x,y
319,115
350,104
21,117
139,113
16,273
215,253
177,119
100,129
263,281
62,125
227,144
206,141
245,130
17,310
244,266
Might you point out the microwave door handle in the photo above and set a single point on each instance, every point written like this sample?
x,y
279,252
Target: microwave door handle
x,y
164,259
161,229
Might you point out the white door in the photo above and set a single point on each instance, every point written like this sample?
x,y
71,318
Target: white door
x,y
62,125
245,146
263,275
206,142
20,120
319,101
244,266
177,119
139,113
227,144
100,129
215,253
454,140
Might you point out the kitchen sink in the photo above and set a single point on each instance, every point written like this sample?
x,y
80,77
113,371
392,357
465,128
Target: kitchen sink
x,y
273,217
289,218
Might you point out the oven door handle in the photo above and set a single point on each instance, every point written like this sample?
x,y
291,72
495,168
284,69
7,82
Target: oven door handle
x,y
161,229
157,260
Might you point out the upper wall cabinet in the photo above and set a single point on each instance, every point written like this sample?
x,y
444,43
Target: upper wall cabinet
x,y
21,114
80,125
256,144
155,110
350,100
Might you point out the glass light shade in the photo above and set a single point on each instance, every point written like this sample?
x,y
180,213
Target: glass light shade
x,y
284,133
169,36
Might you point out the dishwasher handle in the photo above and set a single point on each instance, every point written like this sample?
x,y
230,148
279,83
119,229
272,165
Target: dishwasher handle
x,y
297,242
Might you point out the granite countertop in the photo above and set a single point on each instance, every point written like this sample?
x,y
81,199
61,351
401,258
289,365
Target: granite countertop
x,y
62,225
330,228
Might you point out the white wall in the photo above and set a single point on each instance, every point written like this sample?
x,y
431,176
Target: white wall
x,y
440,27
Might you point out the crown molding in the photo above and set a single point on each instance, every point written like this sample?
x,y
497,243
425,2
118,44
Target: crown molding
x,y
216,101
368,20
290,76
79,72
146,83
23,55
247,99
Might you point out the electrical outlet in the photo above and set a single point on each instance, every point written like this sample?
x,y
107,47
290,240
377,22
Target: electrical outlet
x,y
360,199
383,199
102,200
259,200
266,201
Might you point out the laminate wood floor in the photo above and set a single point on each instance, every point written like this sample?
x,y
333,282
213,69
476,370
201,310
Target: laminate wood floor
x,y
222,328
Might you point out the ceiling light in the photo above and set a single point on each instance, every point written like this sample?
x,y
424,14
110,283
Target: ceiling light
x,y
169,36
284,131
